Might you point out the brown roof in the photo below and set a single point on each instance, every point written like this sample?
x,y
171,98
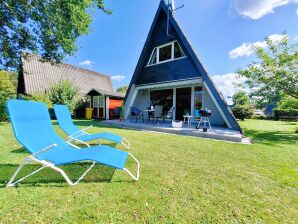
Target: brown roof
x,y
39,76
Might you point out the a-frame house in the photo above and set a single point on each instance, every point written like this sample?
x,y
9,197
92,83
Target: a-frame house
x,y
169,73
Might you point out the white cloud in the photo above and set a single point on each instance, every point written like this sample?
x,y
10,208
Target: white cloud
x,y
118,78
226,84
247,49
297,11
256,9
87,63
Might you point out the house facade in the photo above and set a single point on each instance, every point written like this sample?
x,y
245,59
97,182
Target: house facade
x,y
36,76
169,73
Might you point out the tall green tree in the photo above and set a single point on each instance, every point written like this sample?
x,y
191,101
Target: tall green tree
x,y
47,27
8,90
275,73
242,105
122,89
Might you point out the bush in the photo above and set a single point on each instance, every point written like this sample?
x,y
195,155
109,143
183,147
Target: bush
x,y
242,112
40,97
79,111
296,128
8,90
291,113
288,103
64,93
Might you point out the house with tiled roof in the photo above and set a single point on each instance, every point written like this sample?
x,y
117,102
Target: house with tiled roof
x,y
36,76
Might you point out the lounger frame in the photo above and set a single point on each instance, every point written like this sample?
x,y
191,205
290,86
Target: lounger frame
x,y
46,164
76,135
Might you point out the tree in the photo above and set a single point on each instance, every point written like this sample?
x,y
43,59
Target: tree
x,y
64,93
241,98
47,27
122,89
275,73
242,106
8,90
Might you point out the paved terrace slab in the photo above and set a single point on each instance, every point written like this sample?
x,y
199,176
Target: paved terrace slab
x,y
217,133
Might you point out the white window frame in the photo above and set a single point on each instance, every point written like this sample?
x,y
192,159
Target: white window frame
x,y
99,106
172,53
96,99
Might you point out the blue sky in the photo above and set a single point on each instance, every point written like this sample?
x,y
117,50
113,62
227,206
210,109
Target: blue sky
x,y
221,32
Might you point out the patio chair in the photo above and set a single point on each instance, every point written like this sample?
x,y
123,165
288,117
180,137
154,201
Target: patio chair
x,y
169,114
33,129
158,111
137,113
75,134
197,116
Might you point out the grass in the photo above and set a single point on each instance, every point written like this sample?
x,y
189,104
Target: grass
x,y
183,180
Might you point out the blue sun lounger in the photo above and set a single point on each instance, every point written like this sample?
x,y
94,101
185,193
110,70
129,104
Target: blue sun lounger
x,y
75,134
33,129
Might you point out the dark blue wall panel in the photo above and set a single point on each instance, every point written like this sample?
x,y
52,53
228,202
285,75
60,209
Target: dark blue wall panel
x,y
169,71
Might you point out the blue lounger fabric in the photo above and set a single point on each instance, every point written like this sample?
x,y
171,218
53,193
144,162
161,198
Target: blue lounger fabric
x,y
33,129
66,124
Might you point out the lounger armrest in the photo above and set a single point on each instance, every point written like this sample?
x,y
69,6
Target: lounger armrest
x,y
83,130
43,150
77,134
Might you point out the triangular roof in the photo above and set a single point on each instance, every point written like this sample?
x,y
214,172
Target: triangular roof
x,y
218,98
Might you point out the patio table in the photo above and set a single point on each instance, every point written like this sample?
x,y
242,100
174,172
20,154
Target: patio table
x,y
188,119
149,111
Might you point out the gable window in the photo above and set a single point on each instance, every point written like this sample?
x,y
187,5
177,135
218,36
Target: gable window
x,y
165,53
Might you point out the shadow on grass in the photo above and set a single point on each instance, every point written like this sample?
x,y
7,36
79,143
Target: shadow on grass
x,y
21,150
272,137
99,173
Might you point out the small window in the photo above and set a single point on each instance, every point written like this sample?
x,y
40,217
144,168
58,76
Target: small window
x,y
178,53
153,59
165,53
98,101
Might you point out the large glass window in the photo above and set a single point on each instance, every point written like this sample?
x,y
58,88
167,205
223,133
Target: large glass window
x,y
162,97
165,53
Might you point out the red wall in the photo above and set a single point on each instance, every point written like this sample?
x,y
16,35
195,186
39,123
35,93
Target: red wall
x,y
113,103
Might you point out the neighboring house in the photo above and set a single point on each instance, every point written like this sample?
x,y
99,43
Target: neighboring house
x,y
170,73
268,109
37,77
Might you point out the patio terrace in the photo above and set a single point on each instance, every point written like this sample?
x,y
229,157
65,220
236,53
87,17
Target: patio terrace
x,y
217,132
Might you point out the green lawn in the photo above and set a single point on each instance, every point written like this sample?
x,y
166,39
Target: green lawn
x,y
183,180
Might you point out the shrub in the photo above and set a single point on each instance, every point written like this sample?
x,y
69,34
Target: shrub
x,y
79,111
40,97
242,112
285,113
64,93
288,103
122,112
296,128
8,91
